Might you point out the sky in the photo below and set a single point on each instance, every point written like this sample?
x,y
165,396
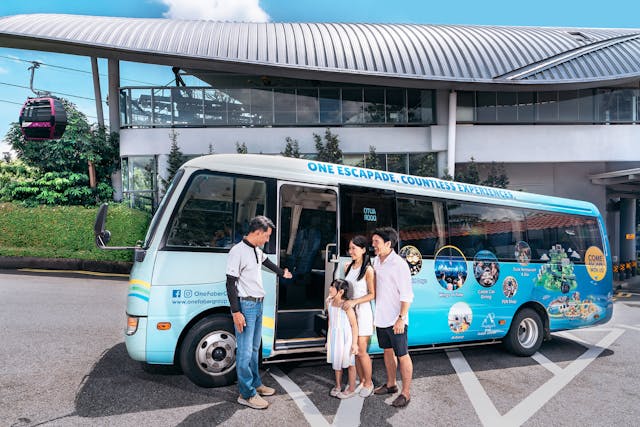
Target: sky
x,y
70,76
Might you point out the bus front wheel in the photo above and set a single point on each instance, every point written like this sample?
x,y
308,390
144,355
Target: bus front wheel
x,y
525,335
208,352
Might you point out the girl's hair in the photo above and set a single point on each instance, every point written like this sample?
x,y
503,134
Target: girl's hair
x,y
361,242
341,285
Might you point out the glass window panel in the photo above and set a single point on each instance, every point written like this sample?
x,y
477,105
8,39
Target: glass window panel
x,y
330,106
506,108
464,111
547,107
215,107
307,104
423,164
374,105
124,107
624,99
397,163
142,170
353,159
250,200
285,106
561,236
474,228
586,106
420,106
362,211
162,106
396,106
188,106
141,107
526,101
261,106
422,224
568,106
352,106
239,106
485,107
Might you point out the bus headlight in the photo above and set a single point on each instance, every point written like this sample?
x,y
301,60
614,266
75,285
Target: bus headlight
x,y
132,325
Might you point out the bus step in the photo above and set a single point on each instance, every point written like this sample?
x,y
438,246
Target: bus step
x,y
292,343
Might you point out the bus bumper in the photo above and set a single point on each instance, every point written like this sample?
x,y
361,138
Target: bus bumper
x,y
136,342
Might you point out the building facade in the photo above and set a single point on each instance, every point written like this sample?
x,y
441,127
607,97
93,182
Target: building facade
x,y
559,107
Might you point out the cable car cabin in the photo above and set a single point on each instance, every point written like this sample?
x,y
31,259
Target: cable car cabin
x,y
42,118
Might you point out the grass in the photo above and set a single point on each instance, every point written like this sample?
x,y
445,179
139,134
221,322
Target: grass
x,y
67,231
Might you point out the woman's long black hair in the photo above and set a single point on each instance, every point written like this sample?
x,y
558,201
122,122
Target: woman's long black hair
x,y
363,243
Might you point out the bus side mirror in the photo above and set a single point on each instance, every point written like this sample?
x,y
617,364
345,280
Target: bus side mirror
x,y
102,236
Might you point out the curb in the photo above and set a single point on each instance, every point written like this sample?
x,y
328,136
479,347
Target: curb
x,y
116,267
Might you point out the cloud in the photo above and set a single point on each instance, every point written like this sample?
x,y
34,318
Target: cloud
x,y
216,10
4,70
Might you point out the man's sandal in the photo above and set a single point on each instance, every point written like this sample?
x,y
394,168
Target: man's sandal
x,y
384,389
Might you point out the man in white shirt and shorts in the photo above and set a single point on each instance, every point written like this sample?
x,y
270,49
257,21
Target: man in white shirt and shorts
x,y
394,295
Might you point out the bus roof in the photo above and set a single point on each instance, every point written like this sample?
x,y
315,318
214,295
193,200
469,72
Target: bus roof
x,y
320,173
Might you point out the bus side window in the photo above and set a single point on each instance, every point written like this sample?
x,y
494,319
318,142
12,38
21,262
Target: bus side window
x,y
422,224
474,227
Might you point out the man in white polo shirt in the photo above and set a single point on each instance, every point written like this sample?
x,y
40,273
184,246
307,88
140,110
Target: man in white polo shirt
x,y
246,295
394,295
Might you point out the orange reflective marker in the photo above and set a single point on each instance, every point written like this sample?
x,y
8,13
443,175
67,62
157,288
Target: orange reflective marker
x,y
163,326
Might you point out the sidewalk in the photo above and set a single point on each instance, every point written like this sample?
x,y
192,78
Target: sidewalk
x,y
631,285
113,267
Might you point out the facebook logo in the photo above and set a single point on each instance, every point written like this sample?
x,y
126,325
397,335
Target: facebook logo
x,y
176,293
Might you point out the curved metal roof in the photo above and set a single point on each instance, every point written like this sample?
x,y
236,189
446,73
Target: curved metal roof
x,y
422,53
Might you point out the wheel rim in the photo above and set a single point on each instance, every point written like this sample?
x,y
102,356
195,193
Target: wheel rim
x,y
528,333
216,353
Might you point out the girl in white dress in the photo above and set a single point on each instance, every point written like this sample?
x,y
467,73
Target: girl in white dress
x,y
342,342
360,275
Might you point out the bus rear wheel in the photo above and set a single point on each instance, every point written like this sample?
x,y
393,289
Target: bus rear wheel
x,y
208,352
525,335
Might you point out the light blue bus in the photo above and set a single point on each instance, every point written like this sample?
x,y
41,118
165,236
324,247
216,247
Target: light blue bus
x,y
487,264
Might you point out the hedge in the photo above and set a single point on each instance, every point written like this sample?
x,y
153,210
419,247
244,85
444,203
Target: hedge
x,y
67,231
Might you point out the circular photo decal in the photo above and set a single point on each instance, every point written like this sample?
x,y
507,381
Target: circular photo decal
x,y
523,253
486,269
412,255
509,286
450,267
460,317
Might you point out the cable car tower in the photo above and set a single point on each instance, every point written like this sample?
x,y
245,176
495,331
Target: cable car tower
x,y
42,117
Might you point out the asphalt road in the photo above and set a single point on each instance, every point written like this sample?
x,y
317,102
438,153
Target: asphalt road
x,y
63,363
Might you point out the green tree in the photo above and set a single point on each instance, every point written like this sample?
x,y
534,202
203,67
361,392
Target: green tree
x,y
426,165
292,148
175,159
371,160
329,151
469,173
241,148
497,176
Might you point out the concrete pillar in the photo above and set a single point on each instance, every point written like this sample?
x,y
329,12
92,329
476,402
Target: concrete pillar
x,y
627,230
114,95
113,74
96,90
451,133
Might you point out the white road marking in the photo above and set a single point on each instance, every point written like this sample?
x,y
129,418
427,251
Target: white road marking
x,y
529,406
546,363
486,410
349,412
570,336
309,410
635,328
519,414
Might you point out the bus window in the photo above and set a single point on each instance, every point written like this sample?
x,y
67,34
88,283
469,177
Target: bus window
x,y
363,210
422,224
474,228
574,233
215,211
